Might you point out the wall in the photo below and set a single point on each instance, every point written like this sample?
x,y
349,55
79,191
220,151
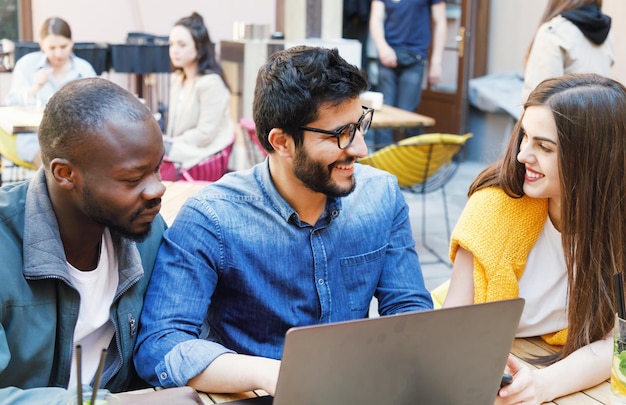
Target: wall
x,y
110,20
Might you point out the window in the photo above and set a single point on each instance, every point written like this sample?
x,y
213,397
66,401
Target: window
x,y
16,20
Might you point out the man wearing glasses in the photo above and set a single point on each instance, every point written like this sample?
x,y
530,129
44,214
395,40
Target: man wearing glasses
x,y
308,236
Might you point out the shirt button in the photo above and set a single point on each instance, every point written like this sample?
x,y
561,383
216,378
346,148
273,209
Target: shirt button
x,y
320,281
163,376
335,213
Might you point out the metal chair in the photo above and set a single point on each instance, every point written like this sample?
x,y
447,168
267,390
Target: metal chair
x,y
256,152
422,164
12,168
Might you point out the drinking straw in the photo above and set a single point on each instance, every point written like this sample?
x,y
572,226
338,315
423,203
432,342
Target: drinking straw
x,y
618,284
98,378
79,383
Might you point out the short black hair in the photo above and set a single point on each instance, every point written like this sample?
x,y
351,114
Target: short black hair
x,y
79,110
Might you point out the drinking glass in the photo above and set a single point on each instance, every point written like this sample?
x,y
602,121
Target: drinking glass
x,y
618,367
103,397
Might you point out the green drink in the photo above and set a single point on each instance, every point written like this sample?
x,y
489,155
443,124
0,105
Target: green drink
x,y
618,367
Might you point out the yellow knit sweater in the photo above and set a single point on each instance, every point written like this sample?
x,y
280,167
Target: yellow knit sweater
x,y
500,231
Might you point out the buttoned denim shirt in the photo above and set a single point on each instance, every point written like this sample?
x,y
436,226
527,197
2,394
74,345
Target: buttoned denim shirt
x,y
238,268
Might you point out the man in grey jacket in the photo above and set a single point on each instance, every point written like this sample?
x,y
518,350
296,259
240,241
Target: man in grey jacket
x,y
78,243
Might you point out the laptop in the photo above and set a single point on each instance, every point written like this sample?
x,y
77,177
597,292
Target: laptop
x,y
445,356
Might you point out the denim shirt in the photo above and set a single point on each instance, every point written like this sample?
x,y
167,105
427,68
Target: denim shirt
x,y
238,268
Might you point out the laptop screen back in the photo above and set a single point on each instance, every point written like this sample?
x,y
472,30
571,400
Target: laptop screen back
x,y
446,356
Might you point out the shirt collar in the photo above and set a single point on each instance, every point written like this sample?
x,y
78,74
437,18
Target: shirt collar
x,y
286,211
42,62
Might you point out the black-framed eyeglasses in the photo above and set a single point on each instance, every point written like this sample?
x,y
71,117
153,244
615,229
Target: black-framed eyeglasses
x,y
346,133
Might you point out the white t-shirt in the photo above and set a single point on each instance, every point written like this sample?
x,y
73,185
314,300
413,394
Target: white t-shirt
x,y
544,286
94,329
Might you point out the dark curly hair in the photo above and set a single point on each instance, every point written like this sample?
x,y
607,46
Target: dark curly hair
x,y
295,82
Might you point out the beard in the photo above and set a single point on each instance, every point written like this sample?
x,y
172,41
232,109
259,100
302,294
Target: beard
x,y
97,213
318,177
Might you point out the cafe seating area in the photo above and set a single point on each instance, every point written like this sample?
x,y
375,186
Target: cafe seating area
x,y
437,164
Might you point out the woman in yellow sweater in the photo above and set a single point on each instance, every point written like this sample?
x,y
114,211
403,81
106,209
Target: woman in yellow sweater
x,y
546,223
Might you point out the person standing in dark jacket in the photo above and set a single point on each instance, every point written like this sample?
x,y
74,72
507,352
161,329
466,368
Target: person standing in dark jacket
x,y
573,37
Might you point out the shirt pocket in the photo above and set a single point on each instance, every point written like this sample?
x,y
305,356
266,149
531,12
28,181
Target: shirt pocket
x,y
361,274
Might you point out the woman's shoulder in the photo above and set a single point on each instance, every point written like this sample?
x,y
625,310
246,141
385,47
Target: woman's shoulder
x,y
494,200
491,213
83,65
212,80
560,27
30,59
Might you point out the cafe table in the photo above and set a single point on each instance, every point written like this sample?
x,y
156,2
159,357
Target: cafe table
x,y
397,118
213,398
15,119
525,348
176,193
522,348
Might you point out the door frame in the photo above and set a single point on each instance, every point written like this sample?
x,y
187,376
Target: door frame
x,y
451,110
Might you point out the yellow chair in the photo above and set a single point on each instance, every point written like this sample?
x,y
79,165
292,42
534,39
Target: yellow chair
x,y
8,151
422,164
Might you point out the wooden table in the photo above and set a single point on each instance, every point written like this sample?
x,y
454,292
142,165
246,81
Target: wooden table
x,y
210,399
522,348
176,194
20,119
16,119
397,118
527,347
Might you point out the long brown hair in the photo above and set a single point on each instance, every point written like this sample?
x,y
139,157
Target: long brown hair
x,y
590,115
556,7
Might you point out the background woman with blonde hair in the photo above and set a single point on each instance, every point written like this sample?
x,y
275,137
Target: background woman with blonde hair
x,y
38,75
546,223
573,37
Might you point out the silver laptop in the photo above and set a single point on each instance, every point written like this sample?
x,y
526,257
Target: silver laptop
x,y
447,356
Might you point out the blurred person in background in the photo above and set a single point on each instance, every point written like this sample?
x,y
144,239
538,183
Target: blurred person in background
x,y
403,31
38,75
199,122
573,37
